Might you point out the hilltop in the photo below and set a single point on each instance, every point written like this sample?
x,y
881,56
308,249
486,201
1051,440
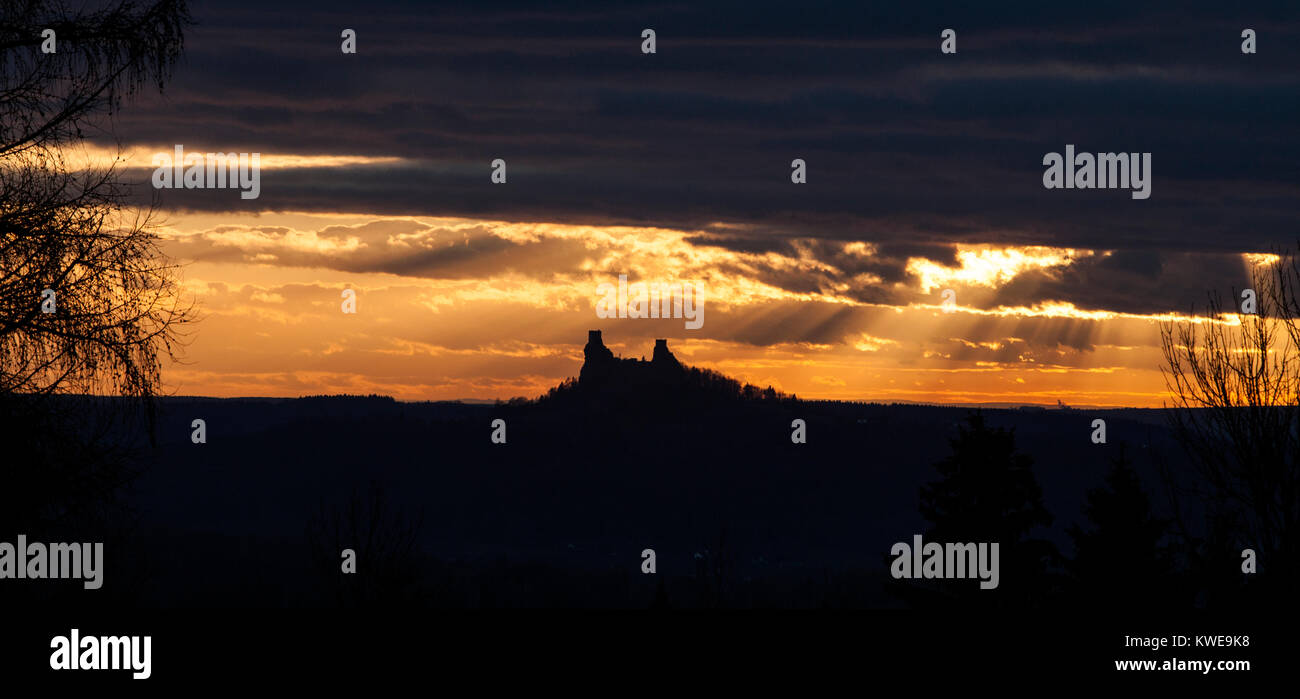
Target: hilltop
x,y
661,381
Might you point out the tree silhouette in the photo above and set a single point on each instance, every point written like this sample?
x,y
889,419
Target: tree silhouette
x,y
113,305
1122,559
64,225
383,538
987,493
1234,381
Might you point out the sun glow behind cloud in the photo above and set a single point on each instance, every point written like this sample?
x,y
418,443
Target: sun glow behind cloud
x,y
991,267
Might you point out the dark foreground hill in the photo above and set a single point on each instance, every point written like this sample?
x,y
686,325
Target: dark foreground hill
x,y
632,455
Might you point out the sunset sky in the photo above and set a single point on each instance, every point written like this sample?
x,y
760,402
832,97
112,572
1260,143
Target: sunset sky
x,y
924,174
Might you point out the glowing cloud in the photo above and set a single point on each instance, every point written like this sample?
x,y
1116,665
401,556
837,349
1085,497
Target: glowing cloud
x,y
990,267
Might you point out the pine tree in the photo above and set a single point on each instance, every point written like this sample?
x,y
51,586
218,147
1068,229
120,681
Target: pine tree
x,y
1121,560
987,493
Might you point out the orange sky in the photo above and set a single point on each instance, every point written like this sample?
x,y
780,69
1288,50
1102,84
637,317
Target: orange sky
x,y
492,310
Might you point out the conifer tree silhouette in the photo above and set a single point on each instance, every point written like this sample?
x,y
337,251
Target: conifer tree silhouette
x,y
987,493
1122,560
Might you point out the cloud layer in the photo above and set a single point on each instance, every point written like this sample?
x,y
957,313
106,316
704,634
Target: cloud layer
x,y
924,174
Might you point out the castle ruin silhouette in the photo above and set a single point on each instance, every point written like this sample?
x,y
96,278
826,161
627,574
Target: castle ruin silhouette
x,y
600,367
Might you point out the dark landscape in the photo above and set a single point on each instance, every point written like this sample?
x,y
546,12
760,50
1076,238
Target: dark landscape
x,y
631,455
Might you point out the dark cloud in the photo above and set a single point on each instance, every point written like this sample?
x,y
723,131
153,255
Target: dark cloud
x,y
1140,282
907,149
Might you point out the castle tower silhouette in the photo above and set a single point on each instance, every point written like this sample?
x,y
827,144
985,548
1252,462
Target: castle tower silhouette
x,y
662,356
595,351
